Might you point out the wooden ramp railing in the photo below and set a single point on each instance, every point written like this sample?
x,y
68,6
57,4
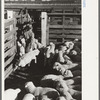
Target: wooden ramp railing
x,y
9,46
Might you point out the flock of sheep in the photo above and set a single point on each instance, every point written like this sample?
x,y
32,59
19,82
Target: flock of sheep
x,y
64,59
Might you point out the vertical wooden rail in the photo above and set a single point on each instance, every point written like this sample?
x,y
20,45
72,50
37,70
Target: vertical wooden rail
x,y
44,28
47,31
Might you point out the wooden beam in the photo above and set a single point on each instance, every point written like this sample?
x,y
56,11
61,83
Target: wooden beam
x,y
65,31
40,6
65,36
44,28
45,1
61,14
9,22
8,71
8,44
10,51
12,32
9,60
65,26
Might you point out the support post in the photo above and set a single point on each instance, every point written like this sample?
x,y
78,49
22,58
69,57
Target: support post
x,y
44,28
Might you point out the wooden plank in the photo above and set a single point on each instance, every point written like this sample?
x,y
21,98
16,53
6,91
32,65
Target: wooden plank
x,y
65,31
47,32
78,32
12,32
44,28
74,36
40,6
10,51
61,14
9,22
65,36
45,1
8,71
52,40
9,60
67,26
10,43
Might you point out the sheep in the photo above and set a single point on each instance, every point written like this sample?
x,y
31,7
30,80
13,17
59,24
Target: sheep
x,y
69,45
21,49
66,66
75,80
62,71
61,98
29,96
39,91
48,80
11,94
23,42
43,97
50,49
75,87
75,94
68,93
39,45
28,57
52,76
60,57
60,85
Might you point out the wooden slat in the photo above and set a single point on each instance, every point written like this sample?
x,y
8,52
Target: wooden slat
x,y
72,32
40,6
61,14
10,51
8,44
63,26
8,71
65,31
44,1
10,33
65,36
9,22
9,60
53,40
74,36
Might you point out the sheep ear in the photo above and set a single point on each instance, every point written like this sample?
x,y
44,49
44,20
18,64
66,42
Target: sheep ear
x,y
18,90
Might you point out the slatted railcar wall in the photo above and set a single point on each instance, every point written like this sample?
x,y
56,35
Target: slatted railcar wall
x,y
9,45
43,1
64,24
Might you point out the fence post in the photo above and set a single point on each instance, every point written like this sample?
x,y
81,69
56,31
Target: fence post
x,y
44,28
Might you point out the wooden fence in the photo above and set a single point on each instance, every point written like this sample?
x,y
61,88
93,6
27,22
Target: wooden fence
x,y
9,45
10,37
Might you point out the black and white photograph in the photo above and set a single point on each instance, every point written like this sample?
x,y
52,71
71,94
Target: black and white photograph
x,y
43,50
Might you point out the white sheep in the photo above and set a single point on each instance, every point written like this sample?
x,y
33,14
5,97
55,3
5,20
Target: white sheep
x,y
28,57
29,96
11,94
39,91
62,70
50,49
21,49
65,66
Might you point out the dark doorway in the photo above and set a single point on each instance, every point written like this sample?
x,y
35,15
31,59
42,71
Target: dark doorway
x,y
36,17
